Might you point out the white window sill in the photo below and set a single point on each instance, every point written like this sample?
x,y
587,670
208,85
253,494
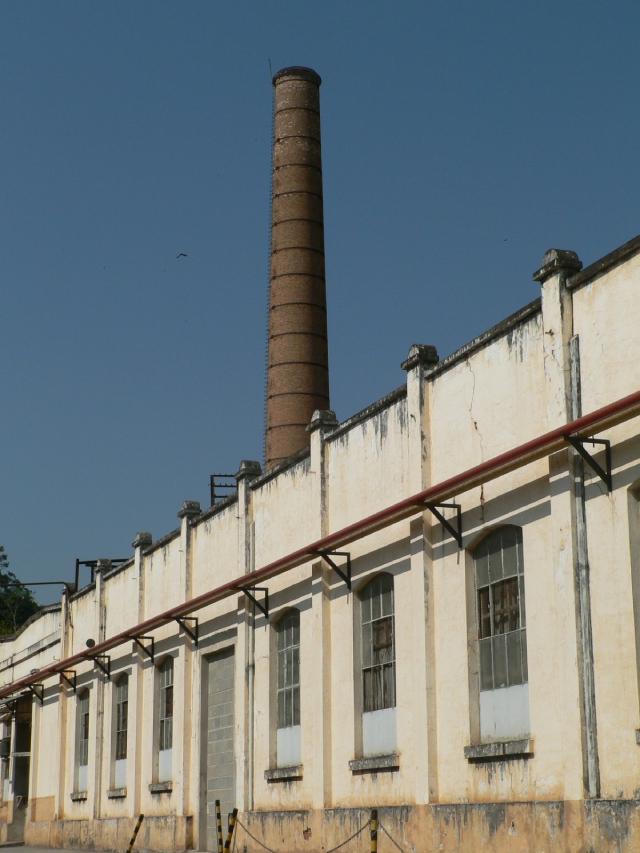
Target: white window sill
x,y
503,750
375,764
161,787
116,793
283,774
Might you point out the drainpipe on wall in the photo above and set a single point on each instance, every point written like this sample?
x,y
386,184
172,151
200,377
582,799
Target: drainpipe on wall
x,y
103,566
249,469
562,370
582,584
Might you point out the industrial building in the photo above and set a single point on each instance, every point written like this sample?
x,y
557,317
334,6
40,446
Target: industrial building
x,y
431,608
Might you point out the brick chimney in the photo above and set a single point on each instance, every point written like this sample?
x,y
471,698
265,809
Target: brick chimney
x,y
297,356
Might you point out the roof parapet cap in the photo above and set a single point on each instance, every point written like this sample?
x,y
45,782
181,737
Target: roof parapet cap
x,y
248,468
420,354
555,260
103,564
322,419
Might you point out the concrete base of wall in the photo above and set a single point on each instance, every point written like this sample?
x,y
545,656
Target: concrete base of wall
x,y
167,833
598,826
602,826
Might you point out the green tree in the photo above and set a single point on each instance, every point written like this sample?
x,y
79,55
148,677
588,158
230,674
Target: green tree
x,y
17,603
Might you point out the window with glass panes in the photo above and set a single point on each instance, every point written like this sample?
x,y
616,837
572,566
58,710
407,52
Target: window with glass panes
x,y
378,645
83,729
288,650
502,636
122,714
166,704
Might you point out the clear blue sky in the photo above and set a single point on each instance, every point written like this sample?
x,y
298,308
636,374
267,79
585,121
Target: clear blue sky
x,y
460,141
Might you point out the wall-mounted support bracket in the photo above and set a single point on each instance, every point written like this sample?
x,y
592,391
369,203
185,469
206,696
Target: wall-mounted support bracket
x,y
103,662
456,532
38,691
263,606
577,442
150,650
69,676
343,572
8,705
182,622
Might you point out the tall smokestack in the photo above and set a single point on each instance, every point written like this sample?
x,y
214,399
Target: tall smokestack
x,y
297,358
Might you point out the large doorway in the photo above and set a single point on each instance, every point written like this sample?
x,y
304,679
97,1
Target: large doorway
x,y
21,761
218,756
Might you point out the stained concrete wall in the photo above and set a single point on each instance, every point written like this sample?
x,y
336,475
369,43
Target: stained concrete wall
x,y
439,790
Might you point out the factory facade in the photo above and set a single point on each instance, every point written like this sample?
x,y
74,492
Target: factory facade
x,y
431,608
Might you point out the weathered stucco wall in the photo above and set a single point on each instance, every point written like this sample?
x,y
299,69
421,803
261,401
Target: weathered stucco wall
x,y
445,786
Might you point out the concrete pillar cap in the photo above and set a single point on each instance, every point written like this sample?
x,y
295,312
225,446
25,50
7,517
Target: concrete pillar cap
x,y
420,354
555,260
103,564
142,540
248,468
322,419
189,509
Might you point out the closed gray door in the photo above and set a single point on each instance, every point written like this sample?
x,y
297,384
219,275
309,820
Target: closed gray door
x,y
220,757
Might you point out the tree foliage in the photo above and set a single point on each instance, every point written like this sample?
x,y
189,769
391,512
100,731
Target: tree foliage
x,y
17,603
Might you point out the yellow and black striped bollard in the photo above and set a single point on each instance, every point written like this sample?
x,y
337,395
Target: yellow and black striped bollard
x,y
219,825
135,833
374,830
232,824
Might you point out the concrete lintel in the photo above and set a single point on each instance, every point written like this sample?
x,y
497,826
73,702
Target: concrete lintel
x,y
116,793
78,796
161,787
500,750
554,261
375,764
284,774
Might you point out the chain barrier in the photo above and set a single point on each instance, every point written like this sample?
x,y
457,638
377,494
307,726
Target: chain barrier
x,y
389,836
331,850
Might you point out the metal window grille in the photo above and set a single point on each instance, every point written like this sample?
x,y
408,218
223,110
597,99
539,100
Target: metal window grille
x,y
500,602
378,645
122,715
288,650
83,729
166,704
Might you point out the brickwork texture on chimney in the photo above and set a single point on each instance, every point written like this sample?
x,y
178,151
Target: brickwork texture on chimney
x,y
297,353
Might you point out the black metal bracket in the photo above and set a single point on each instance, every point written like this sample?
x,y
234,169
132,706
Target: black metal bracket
x,y
38,694
103,662
151,653
263,606
182,620
69,675
9,705
577,442
345,575
456,532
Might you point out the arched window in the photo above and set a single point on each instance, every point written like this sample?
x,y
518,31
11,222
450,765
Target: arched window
x,y
288,689
378,664
165,719
121,721
498,566
82,741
